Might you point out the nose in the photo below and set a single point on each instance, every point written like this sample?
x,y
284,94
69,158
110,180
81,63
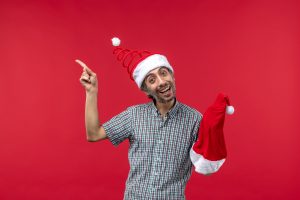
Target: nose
x,y
161,80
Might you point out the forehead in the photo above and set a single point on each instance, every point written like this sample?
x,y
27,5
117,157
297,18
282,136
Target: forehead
x,y
155,71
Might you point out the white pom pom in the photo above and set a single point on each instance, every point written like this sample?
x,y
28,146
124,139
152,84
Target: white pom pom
x,y
116,41
229,110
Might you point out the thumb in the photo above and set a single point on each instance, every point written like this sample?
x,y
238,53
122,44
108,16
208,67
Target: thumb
x,y
89,71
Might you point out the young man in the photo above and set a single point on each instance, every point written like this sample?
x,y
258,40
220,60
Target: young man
x,y
161,133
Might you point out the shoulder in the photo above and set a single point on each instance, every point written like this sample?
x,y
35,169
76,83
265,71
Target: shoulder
x,y
135,112
191,111
139,107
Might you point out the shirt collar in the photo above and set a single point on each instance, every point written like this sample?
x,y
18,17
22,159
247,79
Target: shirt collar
x,y
170,113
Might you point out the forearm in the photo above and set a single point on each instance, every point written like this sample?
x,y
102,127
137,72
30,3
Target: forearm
x,y
88,79
92,122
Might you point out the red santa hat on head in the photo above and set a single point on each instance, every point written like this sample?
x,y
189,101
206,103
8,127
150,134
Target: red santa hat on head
x,y
139,63
209,152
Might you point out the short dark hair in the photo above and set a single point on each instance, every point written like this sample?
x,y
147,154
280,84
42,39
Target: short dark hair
x,y
145,89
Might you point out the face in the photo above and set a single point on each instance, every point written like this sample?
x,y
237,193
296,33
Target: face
x,y
160,84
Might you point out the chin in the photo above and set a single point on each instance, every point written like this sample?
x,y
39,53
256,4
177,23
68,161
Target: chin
x,y
166,100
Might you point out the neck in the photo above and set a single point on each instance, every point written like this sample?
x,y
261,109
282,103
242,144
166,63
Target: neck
x,y
163,108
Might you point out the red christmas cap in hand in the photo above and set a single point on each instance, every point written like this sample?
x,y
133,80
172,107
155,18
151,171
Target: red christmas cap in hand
x,y
209,152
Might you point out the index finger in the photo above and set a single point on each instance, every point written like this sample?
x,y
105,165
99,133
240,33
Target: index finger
x,y
81,63
85,67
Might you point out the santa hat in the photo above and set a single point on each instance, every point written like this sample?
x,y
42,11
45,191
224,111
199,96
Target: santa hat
x,y
139,63
209,151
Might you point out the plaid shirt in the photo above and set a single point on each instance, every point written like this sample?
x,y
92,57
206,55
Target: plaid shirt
x,y
158,155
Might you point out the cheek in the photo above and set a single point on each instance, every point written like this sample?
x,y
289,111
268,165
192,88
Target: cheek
x,y
172,82
151,88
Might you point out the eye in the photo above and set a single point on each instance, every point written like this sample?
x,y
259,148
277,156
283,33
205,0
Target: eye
x,y
164,72
151,80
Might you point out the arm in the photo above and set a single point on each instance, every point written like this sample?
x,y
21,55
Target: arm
x,y
94,130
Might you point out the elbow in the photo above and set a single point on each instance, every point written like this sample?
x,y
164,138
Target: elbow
x,y
95,135
91,139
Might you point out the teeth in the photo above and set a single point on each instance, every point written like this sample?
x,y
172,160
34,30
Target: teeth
x,y
165,90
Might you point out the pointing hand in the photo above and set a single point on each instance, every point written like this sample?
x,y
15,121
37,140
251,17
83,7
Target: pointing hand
x,y
88,78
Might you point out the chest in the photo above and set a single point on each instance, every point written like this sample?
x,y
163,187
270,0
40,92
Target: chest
x,y
154,135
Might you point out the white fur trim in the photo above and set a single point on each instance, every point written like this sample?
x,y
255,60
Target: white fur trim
x,y
116,41
204,166
148,64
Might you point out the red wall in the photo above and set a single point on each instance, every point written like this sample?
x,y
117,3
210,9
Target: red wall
x,y
247,49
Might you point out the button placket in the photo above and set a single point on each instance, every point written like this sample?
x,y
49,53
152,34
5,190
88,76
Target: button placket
x,y
158,147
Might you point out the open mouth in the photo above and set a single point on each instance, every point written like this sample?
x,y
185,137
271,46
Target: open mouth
x,y
165,90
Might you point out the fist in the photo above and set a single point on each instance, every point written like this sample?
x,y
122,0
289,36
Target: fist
x,y
88,78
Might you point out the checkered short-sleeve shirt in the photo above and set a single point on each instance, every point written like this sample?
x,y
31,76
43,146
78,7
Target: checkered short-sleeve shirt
x,y
158,155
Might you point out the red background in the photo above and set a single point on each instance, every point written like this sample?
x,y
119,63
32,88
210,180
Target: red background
x,y
247,49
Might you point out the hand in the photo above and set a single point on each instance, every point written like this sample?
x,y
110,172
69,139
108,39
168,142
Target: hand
x,y
88,78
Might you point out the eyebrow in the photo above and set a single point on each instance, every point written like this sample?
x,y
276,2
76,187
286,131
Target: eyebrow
x,y
151,74
161,68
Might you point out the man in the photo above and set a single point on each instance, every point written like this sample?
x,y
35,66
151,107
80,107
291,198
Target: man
x,y
161,133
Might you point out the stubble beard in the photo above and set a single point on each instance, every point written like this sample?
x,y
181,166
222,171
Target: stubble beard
x,y
155,95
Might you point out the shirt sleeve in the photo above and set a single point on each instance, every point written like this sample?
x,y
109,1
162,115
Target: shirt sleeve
x,y
119,127
196,127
